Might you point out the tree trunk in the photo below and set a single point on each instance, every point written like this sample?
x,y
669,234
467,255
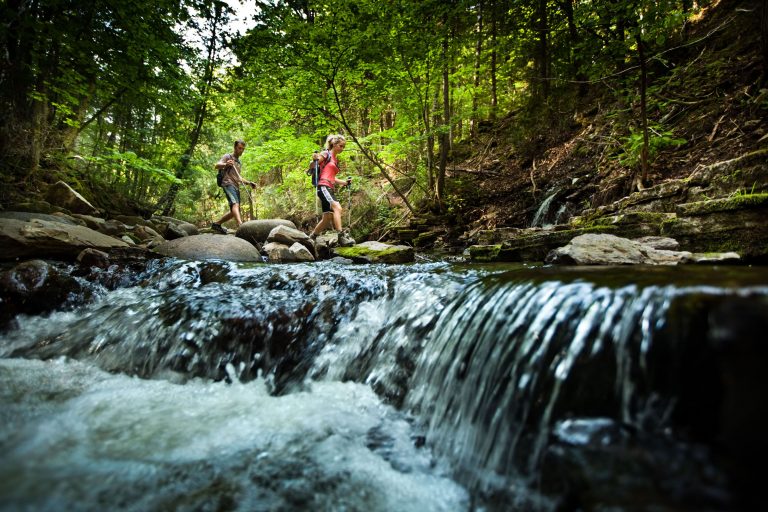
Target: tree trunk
x,y
643,112
444,133
573,41
764,39
494,89
473,129
542,52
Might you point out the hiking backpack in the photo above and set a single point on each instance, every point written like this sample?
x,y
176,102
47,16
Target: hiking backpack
x,y
314,168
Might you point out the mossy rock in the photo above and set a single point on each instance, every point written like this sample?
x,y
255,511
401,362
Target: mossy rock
x,y
426,239
376,252
484,253
743,231
735,202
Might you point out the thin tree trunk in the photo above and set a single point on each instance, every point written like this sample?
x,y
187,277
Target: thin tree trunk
x,y
444,134
364,150
543,48
473,128
643,111
494,89
764,39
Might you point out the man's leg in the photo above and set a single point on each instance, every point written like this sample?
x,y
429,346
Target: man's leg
x,y
236,214
225,218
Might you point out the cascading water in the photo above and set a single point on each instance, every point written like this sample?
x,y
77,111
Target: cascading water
x,y
421,387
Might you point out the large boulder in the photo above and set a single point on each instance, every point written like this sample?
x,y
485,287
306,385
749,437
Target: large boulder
x,y
290,236
376,252
209,247
605,249
39,238
61,194
257,231
278,253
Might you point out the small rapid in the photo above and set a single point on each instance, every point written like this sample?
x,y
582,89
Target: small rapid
x,y
77,438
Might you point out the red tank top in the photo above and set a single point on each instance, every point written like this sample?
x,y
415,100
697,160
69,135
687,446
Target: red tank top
x,y
329,171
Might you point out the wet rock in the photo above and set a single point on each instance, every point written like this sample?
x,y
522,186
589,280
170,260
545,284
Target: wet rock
x,y
730,225
93,258
712,258
35,287
324,245
599,464
210,247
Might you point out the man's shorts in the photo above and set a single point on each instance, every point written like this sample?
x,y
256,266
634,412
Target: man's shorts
x,y
326,198
233,194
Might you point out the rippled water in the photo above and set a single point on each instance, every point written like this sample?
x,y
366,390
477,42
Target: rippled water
x,y
76,438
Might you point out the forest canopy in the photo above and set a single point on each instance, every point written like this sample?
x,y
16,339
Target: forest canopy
x,y
137,99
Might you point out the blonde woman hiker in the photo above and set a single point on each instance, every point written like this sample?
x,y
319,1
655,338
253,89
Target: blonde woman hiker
x,y
229,166
329,168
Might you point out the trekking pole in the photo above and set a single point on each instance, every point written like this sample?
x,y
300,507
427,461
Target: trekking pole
x,y
349,201
317,187
250,197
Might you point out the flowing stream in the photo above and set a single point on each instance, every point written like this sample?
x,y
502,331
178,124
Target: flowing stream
x,y
433,386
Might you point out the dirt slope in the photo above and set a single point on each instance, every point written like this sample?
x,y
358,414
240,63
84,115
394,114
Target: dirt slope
x,y
705,90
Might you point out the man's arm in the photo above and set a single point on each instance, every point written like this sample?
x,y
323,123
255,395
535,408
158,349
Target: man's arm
x,y
223,162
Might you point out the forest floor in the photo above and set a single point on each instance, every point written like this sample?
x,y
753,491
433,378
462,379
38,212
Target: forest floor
x,y
705,91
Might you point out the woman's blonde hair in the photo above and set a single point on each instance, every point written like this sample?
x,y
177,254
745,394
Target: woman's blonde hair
x,y
332,140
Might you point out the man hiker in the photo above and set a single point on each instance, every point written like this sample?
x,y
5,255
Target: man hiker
x,y
229,165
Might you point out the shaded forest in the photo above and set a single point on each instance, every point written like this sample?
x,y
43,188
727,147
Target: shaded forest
x,y
464,110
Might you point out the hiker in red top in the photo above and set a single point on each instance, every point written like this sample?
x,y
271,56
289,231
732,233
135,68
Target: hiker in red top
x,y
329,165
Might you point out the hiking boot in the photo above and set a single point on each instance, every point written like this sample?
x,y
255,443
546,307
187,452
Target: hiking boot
x,y
218,228
345,240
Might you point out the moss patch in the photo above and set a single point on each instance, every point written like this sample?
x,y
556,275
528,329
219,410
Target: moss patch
x,y
361,253
484,253
735,202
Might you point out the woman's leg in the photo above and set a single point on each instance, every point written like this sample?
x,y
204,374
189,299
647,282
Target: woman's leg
x,y
324,223
336,206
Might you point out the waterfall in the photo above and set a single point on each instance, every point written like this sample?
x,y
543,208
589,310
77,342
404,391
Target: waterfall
x,y
540,216
503,354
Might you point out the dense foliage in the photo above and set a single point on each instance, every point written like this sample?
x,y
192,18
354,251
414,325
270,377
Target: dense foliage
x,y
137,99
